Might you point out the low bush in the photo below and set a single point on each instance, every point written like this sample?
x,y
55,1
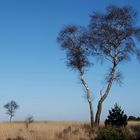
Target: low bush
x,y
133,118
110,133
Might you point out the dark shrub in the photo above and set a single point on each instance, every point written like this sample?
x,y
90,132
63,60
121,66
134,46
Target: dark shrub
x,y
113,134
133,118
116,117
138,118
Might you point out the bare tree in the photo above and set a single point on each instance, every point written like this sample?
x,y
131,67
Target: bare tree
x,y
29,119
72,39
113,37
11,107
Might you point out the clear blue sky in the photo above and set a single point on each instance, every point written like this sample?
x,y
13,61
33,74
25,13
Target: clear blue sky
x,y
32,68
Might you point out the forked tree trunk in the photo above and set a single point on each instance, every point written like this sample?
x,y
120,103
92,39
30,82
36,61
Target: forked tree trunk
x,y
99,107
89,99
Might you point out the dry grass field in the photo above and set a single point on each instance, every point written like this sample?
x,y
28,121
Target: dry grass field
x,y
36,131
47,130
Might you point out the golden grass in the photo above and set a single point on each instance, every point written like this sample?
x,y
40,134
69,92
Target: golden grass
x,y
36,130
44,130
133,123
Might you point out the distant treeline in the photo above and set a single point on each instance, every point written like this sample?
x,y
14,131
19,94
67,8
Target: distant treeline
x,y
133,118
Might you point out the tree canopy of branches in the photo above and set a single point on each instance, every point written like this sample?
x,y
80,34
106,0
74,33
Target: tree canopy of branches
x,y
11,107
113,37
72,39
110,36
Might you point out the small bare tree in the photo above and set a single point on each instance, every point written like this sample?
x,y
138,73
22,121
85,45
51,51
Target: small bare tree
x,y
11,107
29,119
113,37
71,38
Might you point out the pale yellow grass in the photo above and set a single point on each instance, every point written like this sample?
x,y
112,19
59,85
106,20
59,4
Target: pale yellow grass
x,y
42,130
36,130
133,123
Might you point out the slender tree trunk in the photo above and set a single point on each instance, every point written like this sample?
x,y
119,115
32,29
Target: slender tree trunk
x,y
10,119
99,107
89,99
91,115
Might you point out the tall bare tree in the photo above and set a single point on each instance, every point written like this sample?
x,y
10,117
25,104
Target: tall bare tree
x,y
113,37
110,36
72,39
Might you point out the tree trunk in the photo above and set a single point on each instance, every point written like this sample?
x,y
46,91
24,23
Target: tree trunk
x,y
91,114
10,119
99,107
89,99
